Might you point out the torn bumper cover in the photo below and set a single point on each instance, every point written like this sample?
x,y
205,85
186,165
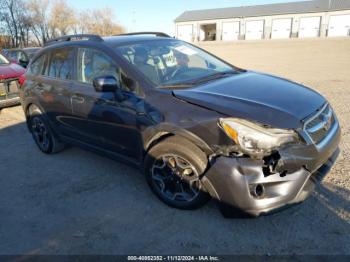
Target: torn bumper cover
x,y
241,184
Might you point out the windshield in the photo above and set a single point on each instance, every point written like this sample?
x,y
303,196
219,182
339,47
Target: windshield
x,y
168,63
3,60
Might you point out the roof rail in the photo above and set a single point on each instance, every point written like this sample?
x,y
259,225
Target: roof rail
x,y
158,34
78,37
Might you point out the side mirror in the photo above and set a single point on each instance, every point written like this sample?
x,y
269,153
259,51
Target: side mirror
x,y
105,84
23,63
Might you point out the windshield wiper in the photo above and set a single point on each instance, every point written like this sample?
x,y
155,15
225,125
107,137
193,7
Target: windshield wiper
x,y
174,86
212,77
201,80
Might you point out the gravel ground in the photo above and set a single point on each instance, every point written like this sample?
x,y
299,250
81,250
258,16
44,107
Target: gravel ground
x,y
76,202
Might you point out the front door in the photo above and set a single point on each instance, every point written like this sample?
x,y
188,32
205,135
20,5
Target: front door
x,y
100,118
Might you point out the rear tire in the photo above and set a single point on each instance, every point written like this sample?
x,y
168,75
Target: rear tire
x,y
43,136
173,169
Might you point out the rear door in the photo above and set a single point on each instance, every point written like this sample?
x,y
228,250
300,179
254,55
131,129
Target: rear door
x,y
54,88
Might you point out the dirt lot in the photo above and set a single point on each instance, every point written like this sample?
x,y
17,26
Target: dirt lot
x,y
77,202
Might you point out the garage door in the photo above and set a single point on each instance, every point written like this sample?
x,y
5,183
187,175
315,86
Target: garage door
x,y
185,32
309,27
230,31
254,30
281,28
339,25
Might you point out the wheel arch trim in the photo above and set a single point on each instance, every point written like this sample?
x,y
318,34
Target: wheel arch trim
x,y
157,134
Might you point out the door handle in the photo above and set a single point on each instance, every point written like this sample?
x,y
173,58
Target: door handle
x,y
77,98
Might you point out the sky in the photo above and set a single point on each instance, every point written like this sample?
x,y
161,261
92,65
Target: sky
x,y
158,15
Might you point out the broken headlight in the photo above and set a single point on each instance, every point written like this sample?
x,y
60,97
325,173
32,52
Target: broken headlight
x,y
256,139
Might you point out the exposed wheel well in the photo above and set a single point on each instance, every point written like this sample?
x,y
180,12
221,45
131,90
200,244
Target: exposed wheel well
x,y
157,139
163,135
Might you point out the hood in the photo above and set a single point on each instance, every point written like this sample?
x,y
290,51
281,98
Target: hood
x,y
258,97
10,71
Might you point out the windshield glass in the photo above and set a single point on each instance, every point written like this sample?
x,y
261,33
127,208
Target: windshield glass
x,y
172,62
3,60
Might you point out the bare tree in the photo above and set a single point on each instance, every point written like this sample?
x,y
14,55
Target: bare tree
x,y
39,12
62,18
23,23
14,22
7,17
36,21
82,20
99,21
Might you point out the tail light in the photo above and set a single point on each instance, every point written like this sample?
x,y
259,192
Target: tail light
x,y
21,80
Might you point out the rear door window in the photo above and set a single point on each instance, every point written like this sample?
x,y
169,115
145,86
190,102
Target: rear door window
x,y
62,64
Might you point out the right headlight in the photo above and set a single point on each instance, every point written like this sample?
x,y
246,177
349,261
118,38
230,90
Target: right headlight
x,y
256,139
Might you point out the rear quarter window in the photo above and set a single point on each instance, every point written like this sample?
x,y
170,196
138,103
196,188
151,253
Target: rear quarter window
x,y
62,64
36,68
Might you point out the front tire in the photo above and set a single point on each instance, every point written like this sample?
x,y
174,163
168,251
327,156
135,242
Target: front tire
x,y
173,169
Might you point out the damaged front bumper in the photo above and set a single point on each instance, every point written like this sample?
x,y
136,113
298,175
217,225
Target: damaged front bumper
x,y
241,183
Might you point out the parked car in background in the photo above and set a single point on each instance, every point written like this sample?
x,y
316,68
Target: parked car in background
x,y
20,56
10,74
196,125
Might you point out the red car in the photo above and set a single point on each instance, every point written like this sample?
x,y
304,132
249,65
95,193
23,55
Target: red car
x,y
10,76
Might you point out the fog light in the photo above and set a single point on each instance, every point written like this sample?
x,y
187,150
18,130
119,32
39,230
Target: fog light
x,y
257,190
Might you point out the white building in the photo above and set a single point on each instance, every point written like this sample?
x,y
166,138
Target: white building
x,y
318,18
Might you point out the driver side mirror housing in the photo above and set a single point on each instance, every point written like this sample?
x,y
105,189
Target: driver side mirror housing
x,y
105,84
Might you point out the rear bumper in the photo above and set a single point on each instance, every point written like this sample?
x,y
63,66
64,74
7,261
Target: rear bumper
x,y
234,181
9,95
10,102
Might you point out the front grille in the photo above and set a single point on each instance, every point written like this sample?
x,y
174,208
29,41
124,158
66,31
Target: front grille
x,y
319,125
8,88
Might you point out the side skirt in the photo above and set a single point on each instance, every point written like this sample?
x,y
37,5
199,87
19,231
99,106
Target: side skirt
x,y
103,152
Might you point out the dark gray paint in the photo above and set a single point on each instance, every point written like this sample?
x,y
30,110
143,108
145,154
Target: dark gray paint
x,y
269,100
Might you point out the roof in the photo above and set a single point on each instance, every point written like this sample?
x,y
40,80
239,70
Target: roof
x,y
265,10
31,48
110,41
125,39
91,39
